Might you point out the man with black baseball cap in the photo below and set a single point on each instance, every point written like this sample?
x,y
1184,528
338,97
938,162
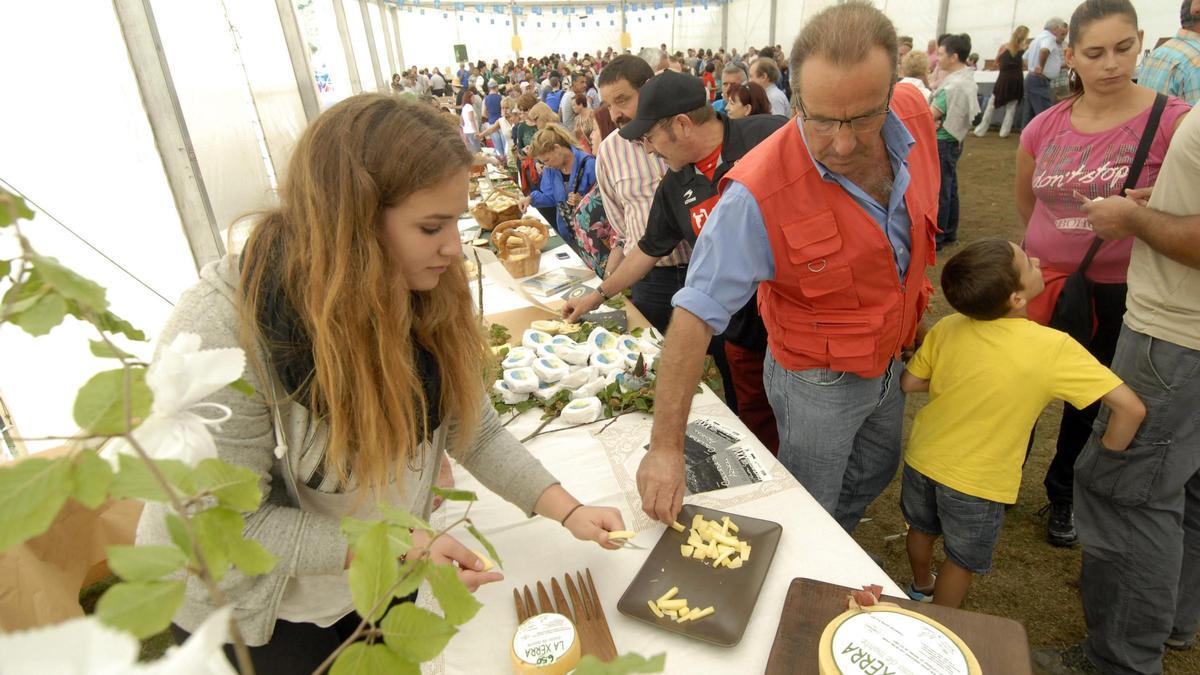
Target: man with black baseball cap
x,y
675,122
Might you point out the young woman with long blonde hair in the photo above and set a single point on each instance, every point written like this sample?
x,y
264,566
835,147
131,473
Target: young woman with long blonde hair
x,y
368,362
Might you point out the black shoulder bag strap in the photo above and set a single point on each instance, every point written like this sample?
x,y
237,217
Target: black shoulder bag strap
x,y
579,174
1135,168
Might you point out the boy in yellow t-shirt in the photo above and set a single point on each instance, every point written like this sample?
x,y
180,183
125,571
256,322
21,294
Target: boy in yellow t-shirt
x,y
989,372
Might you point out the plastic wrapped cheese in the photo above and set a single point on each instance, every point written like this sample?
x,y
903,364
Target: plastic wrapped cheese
x,y
550,369
579,377
507,394
627,343
521,380
600,339
562,340
519,357
582,411
608,360
546,391
572,354
648,346
590,388
535,338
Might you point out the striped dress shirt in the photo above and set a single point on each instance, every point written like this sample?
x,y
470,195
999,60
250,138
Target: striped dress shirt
x,y
628,177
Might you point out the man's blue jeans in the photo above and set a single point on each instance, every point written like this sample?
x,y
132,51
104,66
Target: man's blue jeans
x,y
1037,98
948,154
839,434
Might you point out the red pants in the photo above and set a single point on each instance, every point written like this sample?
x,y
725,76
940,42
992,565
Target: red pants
x,y
746,367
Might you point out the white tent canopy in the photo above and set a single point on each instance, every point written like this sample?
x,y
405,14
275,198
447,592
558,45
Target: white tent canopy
x,y
141,129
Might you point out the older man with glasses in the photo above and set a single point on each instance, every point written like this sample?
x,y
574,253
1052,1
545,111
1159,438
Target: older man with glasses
x,y
833,218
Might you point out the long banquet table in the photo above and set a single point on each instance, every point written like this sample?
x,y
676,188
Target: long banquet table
x,y
601,469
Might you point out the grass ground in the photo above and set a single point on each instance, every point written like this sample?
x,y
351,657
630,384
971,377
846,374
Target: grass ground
x,y
1031,581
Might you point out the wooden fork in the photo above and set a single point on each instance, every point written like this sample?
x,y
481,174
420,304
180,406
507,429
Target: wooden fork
x,y
584,611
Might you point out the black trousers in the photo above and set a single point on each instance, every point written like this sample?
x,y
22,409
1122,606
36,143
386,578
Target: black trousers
x,y
652,296
295,648
1076,426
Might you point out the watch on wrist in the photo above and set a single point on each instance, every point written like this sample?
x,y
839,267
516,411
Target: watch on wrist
x,y
604,295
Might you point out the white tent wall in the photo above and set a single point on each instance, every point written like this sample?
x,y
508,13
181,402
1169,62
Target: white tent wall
x,y
212,90
272,80
487,38
427,40
697,27
918,19
749,24
654,27
81,147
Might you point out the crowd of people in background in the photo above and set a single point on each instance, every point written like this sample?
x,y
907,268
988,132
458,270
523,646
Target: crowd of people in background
x,y
1082,94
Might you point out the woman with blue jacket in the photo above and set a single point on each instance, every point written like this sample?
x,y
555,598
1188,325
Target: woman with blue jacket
x,y
568,174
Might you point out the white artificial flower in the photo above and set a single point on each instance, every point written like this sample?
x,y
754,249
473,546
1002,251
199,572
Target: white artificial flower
x,y
85,646
201,654
181,377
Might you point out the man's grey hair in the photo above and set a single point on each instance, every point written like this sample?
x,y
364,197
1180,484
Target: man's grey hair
x,y
843,34
733,67
1055,24
653,56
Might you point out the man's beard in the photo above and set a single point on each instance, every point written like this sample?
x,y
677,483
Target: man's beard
x,y
620,121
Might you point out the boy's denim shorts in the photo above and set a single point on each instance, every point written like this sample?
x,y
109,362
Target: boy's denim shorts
x,y
968,525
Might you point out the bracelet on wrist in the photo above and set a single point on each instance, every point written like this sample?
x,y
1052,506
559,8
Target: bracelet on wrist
x,y
602,294
575,508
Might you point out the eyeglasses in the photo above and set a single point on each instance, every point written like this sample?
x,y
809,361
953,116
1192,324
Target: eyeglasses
x,y
861,124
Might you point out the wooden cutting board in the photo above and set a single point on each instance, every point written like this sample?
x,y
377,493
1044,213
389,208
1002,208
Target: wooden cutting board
x,y
1000,644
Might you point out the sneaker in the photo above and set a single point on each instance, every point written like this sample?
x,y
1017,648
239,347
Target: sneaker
x,y
1069,661
1060,529
1180,642
921,596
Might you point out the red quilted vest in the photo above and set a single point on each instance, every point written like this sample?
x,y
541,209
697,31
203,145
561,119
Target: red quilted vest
x,y
836,301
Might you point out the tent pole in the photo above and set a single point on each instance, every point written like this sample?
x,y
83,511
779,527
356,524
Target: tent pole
x,y
396,31
339,13
381,84
943,14
169,127
623,17
724,24
774,10
512,13
298,53
387,36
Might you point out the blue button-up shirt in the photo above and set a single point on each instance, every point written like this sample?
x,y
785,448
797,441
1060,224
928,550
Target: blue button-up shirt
x,y
733,252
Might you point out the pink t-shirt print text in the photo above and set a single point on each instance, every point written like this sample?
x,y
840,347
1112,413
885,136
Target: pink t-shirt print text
x,y
1095,165
1062,171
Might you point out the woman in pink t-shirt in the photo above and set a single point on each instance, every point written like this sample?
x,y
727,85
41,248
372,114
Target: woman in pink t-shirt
x,y
1086,144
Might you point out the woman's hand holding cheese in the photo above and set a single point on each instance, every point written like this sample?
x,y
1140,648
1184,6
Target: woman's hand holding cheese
x,y
447,549
593,523
587,523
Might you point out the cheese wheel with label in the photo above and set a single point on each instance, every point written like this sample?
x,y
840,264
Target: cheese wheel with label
x,y
886,638
545,644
